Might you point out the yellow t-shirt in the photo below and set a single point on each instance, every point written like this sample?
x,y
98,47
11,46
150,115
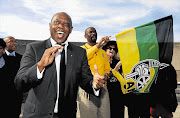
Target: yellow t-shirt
x,y
98,57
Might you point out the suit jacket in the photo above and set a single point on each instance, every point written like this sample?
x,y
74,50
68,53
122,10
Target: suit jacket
x,y
42,95
12,97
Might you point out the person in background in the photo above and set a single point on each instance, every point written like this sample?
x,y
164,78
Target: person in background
x,y
163,95
90,106
117,98
10,50
52,70
11,46
9,66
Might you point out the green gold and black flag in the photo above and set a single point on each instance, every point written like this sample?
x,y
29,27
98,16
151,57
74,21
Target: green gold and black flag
x,y
143,51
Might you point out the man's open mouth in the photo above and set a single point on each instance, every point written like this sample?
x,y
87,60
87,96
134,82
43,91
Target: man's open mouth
x,y
60,34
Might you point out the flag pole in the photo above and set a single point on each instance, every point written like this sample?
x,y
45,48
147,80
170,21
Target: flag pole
x,y
112,37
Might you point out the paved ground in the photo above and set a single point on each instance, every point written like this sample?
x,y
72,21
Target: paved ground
x,y
177,113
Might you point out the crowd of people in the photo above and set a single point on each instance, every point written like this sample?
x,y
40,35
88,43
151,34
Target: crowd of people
x,y
67,81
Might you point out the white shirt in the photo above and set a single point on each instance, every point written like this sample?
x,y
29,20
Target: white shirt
x,y
57,61
10,54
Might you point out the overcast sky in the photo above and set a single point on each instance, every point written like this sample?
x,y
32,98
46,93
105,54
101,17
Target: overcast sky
x,y
29,19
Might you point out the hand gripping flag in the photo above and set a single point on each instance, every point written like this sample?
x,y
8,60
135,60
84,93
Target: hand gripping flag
x,y
143,51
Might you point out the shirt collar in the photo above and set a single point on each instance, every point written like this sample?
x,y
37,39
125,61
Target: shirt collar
x,y
8,53
88,46
54,43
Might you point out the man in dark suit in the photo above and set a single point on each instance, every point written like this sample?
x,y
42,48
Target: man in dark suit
x,y
40,72
12,64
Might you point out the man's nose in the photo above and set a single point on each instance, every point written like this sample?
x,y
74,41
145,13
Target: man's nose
x,y
62,25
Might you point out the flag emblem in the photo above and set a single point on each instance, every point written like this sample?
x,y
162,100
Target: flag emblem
x,y
141,74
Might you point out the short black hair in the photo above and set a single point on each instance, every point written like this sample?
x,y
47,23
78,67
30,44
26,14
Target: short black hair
x,y
2,43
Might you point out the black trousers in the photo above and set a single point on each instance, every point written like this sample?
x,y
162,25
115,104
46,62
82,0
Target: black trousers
x,y
138,105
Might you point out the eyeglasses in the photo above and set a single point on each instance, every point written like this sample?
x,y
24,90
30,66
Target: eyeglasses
x,y
111,48
63,24
12,42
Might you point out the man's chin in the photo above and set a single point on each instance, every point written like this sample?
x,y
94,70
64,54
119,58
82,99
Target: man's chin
x,y
60,40
13,49
93,40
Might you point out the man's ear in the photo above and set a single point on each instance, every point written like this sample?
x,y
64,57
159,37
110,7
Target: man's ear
x,y
49,26
85,36
71,29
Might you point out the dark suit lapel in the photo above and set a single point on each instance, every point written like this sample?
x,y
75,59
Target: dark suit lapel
x,y
70,55
48,43
52,67
69,67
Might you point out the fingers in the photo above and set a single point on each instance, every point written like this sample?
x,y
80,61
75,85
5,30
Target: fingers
x,y
96,69
98,80
108,75
49,55
106,38
101,80
52,51
96,86
103,41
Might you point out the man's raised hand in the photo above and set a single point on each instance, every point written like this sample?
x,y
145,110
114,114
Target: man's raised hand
x,y
98,80
48,57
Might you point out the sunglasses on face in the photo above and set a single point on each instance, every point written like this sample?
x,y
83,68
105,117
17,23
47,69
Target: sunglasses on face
x,y
111,48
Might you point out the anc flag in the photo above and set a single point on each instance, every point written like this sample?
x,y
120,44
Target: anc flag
x,y
143,51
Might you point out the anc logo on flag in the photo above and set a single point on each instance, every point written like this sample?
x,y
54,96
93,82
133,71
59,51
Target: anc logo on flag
x,y
140,73
143,51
